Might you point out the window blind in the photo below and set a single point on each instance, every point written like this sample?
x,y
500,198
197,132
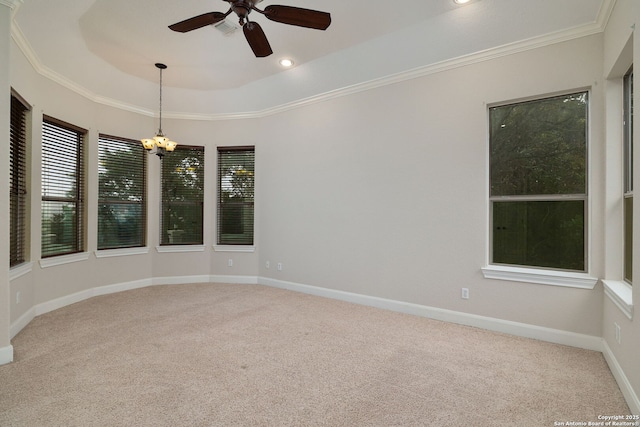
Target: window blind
x,y
121,193
18,181
182,196
236,177
62,188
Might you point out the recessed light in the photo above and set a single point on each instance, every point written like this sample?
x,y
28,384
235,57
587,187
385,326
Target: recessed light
x,y
286,62
461,1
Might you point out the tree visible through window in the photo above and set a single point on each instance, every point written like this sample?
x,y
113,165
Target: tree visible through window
x,y
236,176
182,196
62,188
538,179
121,193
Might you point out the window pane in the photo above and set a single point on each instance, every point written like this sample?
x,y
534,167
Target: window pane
x,y
539,233
120,225
59,231
182,196
121,193
236,181
17,182
62,188
539,147
628,238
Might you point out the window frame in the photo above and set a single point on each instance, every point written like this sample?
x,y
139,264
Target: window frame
x,y
79,201
20,111
165,239
224,240
532,273
627,191
142,172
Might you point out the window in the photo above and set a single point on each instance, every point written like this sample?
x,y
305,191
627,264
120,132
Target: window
x,y
538,182
628,175
236,167
18,181
182,196
62,188
121,193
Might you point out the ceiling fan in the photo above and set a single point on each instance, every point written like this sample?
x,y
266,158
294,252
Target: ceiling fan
x,y
252,31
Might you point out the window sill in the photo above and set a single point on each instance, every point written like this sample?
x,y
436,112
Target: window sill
x,y
20,270
107,253
180,248
63,259
621,295
232,248
541,277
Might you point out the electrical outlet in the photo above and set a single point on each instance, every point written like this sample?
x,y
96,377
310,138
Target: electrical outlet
x,y
465,293
230,263
618,334
266,264
279,266
18,297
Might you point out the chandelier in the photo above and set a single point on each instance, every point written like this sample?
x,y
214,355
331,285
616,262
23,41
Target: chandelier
x,y
160,142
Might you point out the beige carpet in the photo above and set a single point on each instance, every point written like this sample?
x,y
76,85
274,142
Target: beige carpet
x,y
243,355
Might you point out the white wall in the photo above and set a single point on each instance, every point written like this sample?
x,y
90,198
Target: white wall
x,y
6,351
384,192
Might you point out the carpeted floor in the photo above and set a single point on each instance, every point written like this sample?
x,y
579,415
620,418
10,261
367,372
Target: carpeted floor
x,y
248,355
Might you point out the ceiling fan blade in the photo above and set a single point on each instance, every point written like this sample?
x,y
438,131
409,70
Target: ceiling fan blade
x,y
298,16
198,22
257,39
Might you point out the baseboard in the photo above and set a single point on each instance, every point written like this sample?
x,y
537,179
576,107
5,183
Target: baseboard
x,y
623,382
6,355
238,280
498,325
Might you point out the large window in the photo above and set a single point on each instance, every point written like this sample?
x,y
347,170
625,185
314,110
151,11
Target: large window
x,y
236,167
18,181
538,174
121,193
62,188
182,196
628,175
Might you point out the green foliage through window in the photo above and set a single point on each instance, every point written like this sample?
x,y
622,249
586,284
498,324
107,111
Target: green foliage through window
x,y
538,173
182,196
121,193
236,180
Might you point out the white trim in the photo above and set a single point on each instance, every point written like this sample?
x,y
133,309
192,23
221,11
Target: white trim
x,y
557,336
621,295
6,355
623,382
107,253
63,259
180,280
180,248
22,321
232,248
541,277
241,280
20,270
11,3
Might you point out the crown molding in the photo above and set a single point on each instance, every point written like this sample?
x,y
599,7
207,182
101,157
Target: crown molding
x,y
595,27
11,3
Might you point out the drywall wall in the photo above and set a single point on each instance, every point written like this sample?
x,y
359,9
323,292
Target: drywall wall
x,y
622,49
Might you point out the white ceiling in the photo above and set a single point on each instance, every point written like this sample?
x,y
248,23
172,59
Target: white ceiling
x,y
106,49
